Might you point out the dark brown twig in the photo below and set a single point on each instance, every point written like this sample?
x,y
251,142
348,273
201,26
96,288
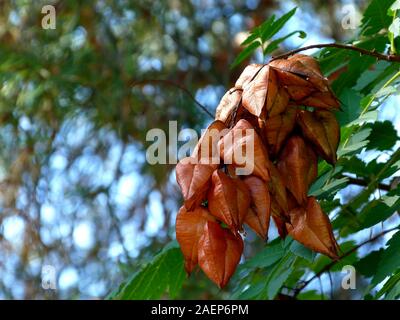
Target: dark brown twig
x,y
330,265
364,183
172,84
373,53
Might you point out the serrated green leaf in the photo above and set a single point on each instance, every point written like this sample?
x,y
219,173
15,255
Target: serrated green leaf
x,y
367,265
375,17
266,257
376,211
385,91
383,136
322,180
393,291
390,261
391,288
331,187
354,165
350,103
301,251
366,117
277,277
356,142
164,274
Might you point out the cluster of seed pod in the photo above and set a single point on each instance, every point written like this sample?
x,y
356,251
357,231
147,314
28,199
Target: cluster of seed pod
x,y
282,112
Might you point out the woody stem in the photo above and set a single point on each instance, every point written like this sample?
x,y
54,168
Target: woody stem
x,y
373,53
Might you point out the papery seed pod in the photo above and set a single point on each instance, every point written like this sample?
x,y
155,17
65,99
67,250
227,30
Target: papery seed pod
x,y
277,129
262,112
243,199
243,147
324,100
247,75
277,188
189,228
311,227
263,96
305,67
219,253
258,218
194,180
279,218
322,129
206,150
297,165
228,200
297,87
253,221
244,114
222,199
228,104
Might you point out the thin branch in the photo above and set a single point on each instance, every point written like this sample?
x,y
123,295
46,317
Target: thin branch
x,y
330,284
330,265
176,85
365,183
373,53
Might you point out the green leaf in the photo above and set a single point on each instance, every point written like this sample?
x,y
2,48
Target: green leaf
x,y
261,34
367,265
253,291
266,257
369,116
251,38
383,136
371,77
311,295
373,167
385,91
354,165
164,274
377,211
356,142
317,186
323,261
256,33
356,64
331,187
247,52
350,103
391,288
395,6
277,277
273,45
268,32
375,17
390,261
301,251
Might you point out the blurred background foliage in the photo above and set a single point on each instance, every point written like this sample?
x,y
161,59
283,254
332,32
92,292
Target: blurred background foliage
x,y
75,105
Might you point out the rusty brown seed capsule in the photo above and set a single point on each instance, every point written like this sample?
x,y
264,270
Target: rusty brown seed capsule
x,y
286,141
